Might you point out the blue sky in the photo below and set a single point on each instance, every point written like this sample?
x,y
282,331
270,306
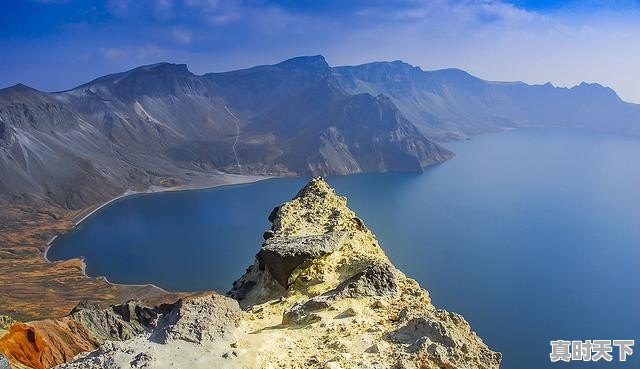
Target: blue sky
x,y
58,44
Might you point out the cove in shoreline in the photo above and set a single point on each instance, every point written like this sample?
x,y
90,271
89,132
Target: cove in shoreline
x,y
229,180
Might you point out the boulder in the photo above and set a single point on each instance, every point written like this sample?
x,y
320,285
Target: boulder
x,y
142,360
418,331
375,280
303,312
282,255
204,319
269,277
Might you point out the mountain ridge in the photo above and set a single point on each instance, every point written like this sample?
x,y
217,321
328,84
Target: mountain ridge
x,y
162,125
451,104
319,56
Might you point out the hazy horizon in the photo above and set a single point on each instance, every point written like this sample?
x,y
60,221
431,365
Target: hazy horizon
x,y
55,45
259,64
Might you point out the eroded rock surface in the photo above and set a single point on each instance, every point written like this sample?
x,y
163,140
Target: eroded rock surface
x,y
119,322
282,255
45,343
203,320
190,332
321,294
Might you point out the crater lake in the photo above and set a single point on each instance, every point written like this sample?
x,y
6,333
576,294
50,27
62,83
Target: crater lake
x,y
532,235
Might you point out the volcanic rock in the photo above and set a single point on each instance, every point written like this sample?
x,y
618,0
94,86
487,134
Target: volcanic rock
x,y
320,294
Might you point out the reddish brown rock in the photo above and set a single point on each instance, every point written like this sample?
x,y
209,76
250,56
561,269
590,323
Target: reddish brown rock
x,y
46,343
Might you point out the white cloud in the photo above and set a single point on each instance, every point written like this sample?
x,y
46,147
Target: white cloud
x,y
451,10
493,39
113,54
217,12
493,11
182,36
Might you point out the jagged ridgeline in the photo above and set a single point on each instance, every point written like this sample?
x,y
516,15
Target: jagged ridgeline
x,y
162,125
320,294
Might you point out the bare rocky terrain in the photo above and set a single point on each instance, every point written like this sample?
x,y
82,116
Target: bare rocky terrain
x,y
161,125
451,104
321,294
320,273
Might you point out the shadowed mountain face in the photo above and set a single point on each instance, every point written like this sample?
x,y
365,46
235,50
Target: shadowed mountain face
x,y
451,104
162,125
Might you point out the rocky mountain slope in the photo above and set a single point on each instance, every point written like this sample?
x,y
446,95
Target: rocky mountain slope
x,y
161,125
321,294
451,103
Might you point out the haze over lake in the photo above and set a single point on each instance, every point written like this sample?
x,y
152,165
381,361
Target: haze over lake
x,y
532,235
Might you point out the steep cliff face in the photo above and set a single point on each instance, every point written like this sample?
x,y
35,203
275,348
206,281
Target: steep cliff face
x,y
163,125
451,103
321,294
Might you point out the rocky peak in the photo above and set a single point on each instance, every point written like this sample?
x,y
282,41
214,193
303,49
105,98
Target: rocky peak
x,y
158,69
165,68
19,93
395,72
320,294
595,91
154,80
315,62
336,273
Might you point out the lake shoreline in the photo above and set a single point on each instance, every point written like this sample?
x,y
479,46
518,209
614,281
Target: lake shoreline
x,y
228,180
473,231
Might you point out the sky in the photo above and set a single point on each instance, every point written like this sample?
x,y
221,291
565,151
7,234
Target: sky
x,y
55,45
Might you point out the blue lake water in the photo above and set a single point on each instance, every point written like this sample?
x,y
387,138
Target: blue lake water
x,y
532,235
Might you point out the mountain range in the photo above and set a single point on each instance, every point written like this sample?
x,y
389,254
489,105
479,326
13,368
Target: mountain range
x,y
162,125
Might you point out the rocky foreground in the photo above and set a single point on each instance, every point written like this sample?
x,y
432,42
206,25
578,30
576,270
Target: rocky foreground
x,y
321,294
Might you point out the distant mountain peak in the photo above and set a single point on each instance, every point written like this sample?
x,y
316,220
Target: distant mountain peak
x,y
455,72
317,62
595,89
404,65
19,91
163,67
19,87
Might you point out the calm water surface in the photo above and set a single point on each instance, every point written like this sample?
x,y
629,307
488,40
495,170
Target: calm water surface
x,y
532,235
